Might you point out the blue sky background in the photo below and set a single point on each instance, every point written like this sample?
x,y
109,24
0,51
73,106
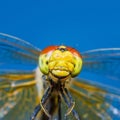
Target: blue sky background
x,y
84,25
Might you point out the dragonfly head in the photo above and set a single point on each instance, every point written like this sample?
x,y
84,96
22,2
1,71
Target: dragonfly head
x,y
60,62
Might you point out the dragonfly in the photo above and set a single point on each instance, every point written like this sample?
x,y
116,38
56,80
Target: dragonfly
x,y
43,84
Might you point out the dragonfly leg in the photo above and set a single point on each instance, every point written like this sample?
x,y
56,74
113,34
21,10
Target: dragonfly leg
x,y
45,110
59,107
36,110
70,104
70,97
43,101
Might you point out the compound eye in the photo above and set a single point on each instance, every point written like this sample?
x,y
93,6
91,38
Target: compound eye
x,y
77,66
43,63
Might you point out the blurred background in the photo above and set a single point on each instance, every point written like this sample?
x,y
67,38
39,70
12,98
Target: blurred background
x,y
84,25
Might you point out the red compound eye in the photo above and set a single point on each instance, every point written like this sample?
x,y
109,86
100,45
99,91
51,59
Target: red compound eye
x,y
52,48
49,49
74,51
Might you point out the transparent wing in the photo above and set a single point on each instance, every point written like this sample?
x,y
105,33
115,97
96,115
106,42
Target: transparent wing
x,y
18,95
103,61
95,101
18,91
15,51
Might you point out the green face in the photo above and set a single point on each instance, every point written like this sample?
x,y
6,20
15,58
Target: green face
x,y
60,63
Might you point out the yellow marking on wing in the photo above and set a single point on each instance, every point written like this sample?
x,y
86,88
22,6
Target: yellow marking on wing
x,y
16,77
88,87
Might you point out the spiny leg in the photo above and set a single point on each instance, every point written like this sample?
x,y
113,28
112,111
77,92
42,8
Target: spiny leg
x,y
36,110
75,114
59,108
43,101
72,103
